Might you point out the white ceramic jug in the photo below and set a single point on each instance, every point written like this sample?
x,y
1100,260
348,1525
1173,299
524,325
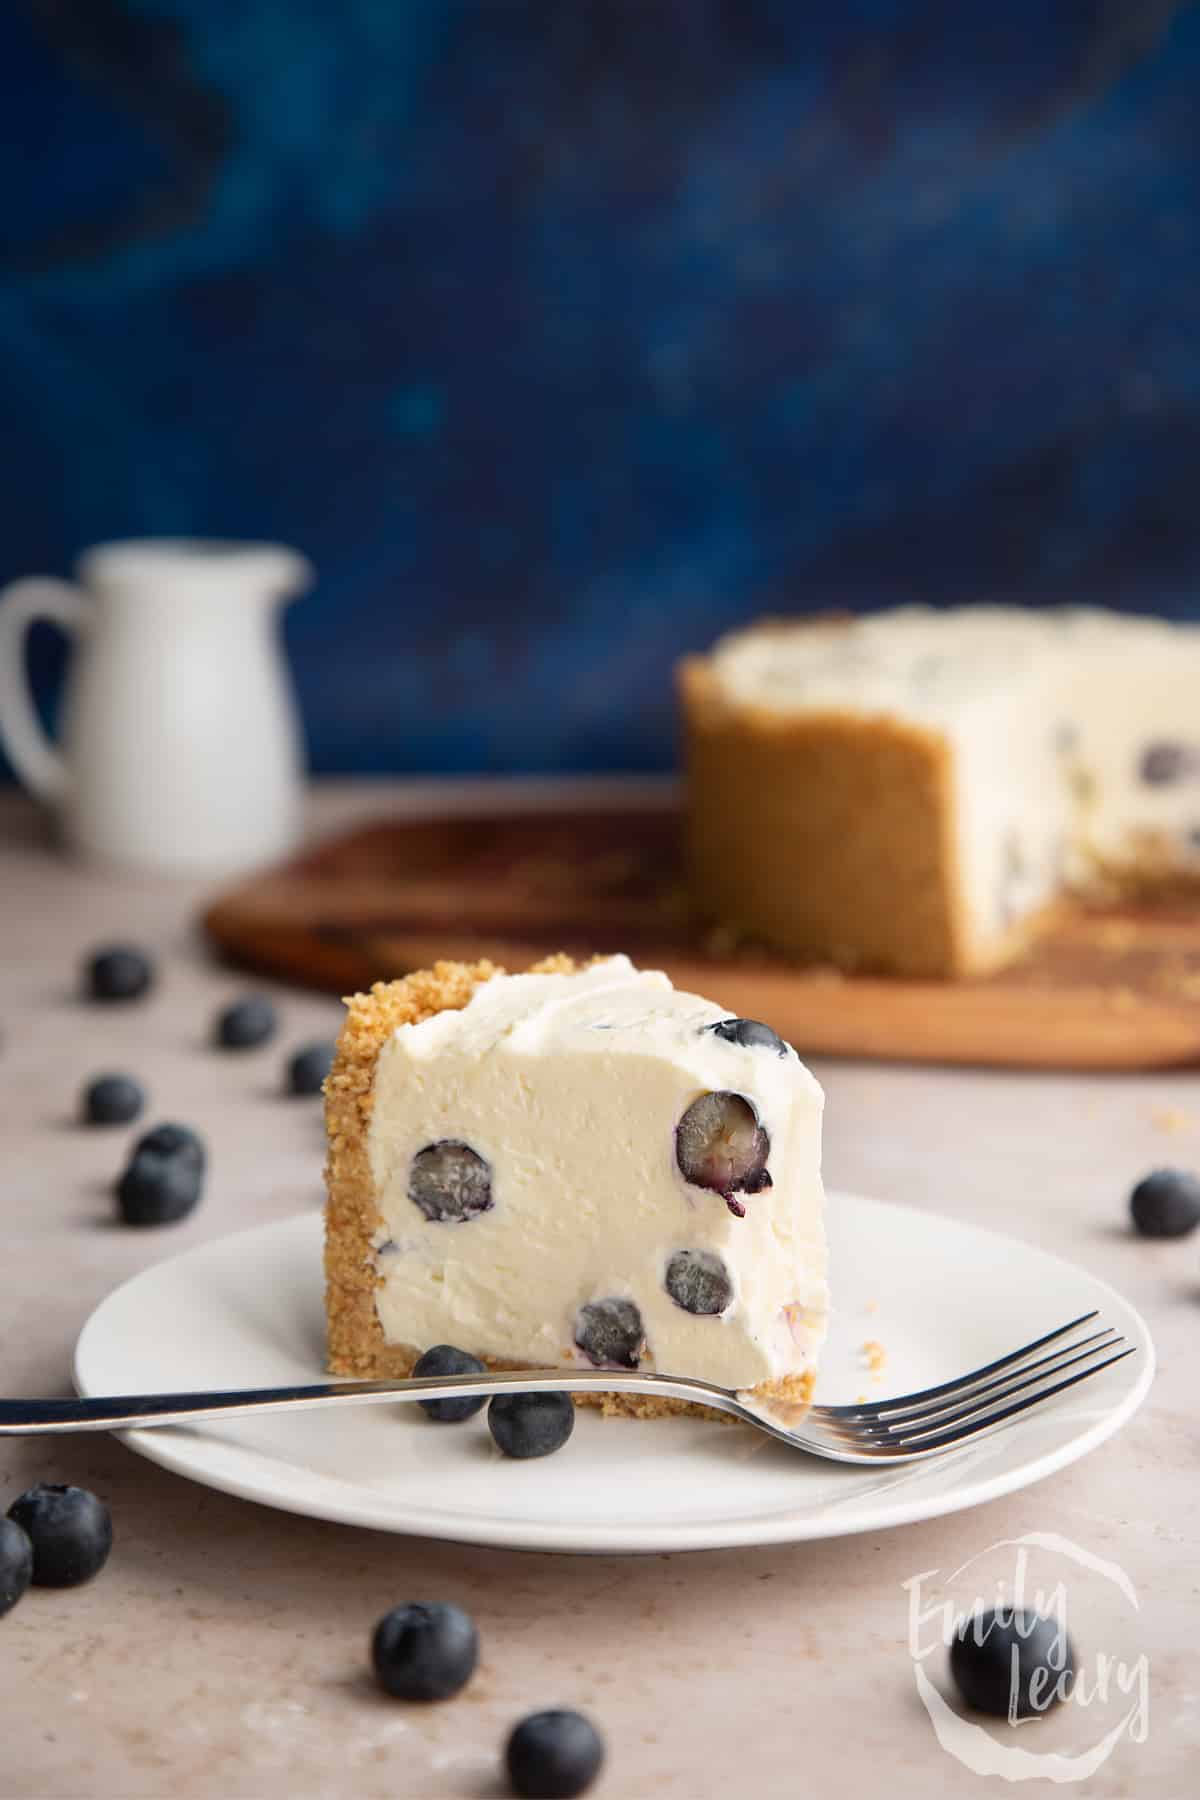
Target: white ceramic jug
x,y
180,741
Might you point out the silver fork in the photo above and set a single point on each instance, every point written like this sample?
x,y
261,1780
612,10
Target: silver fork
x,y
906,1428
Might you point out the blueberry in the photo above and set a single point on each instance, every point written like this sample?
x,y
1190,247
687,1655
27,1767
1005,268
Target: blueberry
x,y
449,1180
1166,762
307,1069
424,1652
553,1755
16,1563
164,1177
719,1144
1004,1659
526,1425
157,1191
70,1531
112,1100
698,1281
750,1034
119,972
610,1333
1166,1204
246,1024
172,1140
444,1359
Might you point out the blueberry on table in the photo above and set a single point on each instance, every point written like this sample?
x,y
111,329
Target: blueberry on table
x,y
1006,1661
16,1563
748,1034
70,1531
699,1282
1166,1204
308,1068
164,1177
445,1359
424,1652
112,1100
553,1755
246,1024
719,1144
527,1425
173,1140
610,1333
449,1181
118,972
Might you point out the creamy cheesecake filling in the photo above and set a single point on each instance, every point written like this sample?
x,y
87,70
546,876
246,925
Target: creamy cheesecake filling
x,y
527,1170
1074,732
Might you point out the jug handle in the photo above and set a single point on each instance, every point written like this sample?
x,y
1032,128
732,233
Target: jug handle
x,y
40,766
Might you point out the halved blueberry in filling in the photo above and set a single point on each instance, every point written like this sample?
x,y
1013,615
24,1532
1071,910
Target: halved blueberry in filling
x,y
719,1144
750,1034
450,1181
699,1282
610,1332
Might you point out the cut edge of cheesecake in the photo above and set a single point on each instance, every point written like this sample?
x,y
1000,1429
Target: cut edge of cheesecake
x,y
355,1340
891,895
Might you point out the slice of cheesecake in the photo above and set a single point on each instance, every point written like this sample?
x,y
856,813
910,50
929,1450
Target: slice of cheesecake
x,y
574,1166
909,791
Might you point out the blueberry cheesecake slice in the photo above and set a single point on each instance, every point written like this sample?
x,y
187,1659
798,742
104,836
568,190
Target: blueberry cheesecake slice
x,y
573,1166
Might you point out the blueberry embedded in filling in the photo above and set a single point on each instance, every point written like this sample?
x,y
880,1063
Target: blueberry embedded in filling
x,y
750,1034
450,1181
1168,761
699,1282
610,1333
720,1145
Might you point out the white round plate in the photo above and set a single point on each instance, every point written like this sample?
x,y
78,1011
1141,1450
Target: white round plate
x,y
938,1296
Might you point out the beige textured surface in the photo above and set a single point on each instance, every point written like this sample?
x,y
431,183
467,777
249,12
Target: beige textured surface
x,y
222,1651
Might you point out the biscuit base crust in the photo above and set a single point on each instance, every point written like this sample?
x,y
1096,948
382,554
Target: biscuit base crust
x,y
356,1343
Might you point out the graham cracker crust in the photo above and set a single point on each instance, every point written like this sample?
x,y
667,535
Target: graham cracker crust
x,y
356,1344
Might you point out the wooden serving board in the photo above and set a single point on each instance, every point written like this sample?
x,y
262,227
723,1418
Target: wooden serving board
x,y
1118,989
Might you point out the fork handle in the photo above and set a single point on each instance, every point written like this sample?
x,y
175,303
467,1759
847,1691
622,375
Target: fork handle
x,y
120,1412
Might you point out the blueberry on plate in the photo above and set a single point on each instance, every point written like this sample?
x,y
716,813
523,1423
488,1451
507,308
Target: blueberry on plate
x,y
164,1177
112,1100
246,1024
610,1333
118,972
749,1034
424,1652
307,1069
449,1181
553,1755
1004,1660
70,1531
445,1359
1166,1204
16,1563
525,1425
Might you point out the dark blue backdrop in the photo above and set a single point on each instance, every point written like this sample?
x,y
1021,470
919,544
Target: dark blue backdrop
x,y
563,333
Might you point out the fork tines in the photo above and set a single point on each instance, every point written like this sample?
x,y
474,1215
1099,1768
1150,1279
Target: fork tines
x,y
937,1418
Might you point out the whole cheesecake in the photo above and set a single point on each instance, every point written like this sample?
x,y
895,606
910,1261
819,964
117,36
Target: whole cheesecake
x,y
573,1167
910,791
